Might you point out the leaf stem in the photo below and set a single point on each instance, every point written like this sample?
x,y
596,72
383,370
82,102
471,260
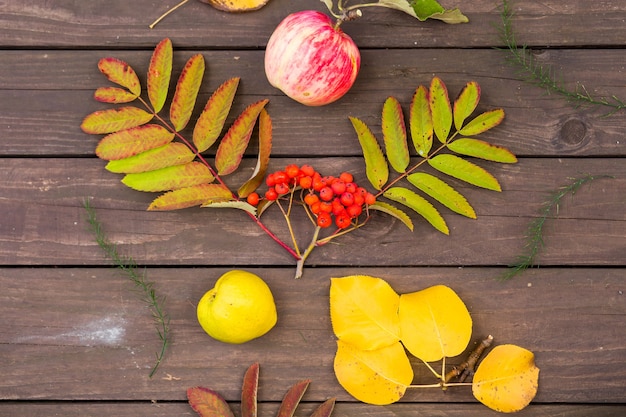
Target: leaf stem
x,y
129,267
307,252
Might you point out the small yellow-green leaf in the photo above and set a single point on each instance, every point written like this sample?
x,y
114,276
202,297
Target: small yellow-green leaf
x,y
133,141
186,92
112,120
191,196
159,73
464,170
481,149
120,73
434,323
466,103
263,160
376,167
440,109
364,311
420,205
394,135
507,379
235,141
483,122
174,153
113,95
393,211
212,119
170,178
378,377
442,192
421,122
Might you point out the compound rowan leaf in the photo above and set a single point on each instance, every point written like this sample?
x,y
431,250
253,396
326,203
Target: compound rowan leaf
x,y
170,178
159,73
133,141
363,311
112,120
481,149
376,167
466,103
507,379
235,141
420,205
394,135
263,160
249,390
113,95
378,377
174,153
212,119
187,89
434,323
483,122
442,192
440,109
464,170
421,122
394,212
208,403
292,398
192,196
120,73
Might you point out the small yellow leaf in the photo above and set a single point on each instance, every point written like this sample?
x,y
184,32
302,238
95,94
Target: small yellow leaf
x,y
375,377
440,109
421,122
434,323
194,195
364,311
507,379
376,167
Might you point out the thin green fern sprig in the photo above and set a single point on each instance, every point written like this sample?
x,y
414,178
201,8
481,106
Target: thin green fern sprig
x,y
146,288
535,232
545,76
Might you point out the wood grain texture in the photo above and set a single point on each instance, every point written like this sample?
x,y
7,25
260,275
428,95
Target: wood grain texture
x,y
83,334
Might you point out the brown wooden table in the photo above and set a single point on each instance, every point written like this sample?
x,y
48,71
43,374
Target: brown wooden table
x,y
75,339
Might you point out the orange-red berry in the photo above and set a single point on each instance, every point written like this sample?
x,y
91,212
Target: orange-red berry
x,y
370,198
307,170
338,186
306,182
351,187
292,170
342,221
326,193
346,177
326,207
310,199
281,188
253,199
315,207
347,199
324,219
354,210
271,194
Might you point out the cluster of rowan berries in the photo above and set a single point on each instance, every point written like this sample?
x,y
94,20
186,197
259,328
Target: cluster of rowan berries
x,y
326,197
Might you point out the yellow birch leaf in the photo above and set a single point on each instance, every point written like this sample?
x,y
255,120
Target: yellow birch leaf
x,y
378,377
170,178
376,167
364,311
434,323
507,379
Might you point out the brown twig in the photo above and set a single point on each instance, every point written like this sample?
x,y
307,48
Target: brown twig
x,y
466,369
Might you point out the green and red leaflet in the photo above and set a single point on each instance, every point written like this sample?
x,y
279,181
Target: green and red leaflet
x,y
464,170
130,142
192,196
211,121
421,122
394,135
440,109
174,153
420,205
113,120
208,403
187,89
120,73
483,150
113,95
442,192
159,73
466,103
376,167
169,178
483,122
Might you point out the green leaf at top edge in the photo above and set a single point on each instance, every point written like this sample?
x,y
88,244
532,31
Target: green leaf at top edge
x,y
212,119
394,135
442,192
418,204
187,89
465,171
376,167
421,122
159,73
483,122
440,109
481,149
393,211
466,103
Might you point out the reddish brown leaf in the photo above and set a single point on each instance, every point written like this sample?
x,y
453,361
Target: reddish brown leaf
x,y
113,95
129,142
249,391
208,403
159,73
112,120
235,142
189,197
119,72
292,398
186,92
325,409
265,148
212,119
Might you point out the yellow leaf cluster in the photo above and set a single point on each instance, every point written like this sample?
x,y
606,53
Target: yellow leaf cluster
x,y
376,326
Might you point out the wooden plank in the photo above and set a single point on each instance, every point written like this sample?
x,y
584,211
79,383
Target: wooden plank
x,y
44,222
46,94
341,410
83,333
122,24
